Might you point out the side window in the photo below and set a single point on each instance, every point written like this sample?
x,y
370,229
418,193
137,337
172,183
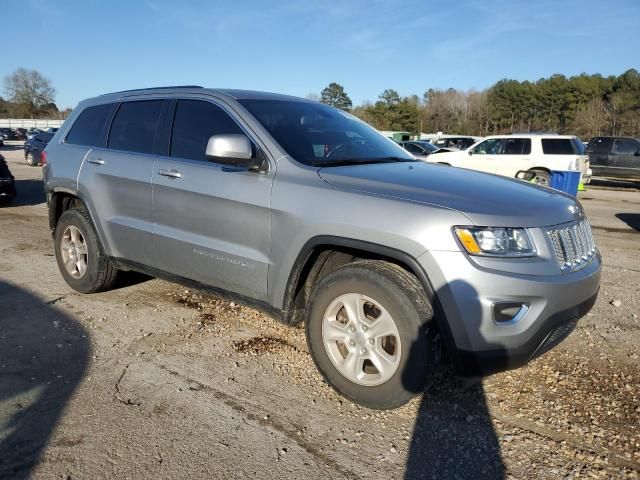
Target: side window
x,y
194,122
134,126
410,147
557,146
90,125
625,146
516,146
492,146
600,145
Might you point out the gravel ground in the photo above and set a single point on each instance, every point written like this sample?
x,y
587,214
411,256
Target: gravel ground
x,y
155,380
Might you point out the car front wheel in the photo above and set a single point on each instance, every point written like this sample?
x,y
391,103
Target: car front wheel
x,y
370,332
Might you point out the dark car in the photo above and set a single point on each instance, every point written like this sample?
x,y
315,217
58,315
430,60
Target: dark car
x,y
8,133
615,157
34,146
7,186
421,149
21,133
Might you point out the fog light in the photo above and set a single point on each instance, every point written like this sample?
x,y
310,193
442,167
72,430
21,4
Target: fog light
x,y
509,312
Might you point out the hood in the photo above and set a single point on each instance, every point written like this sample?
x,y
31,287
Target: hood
x,y
488,200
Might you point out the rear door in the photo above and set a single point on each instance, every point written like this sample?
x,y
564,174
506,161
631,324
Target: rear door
x,y
212,221
117,179
626,159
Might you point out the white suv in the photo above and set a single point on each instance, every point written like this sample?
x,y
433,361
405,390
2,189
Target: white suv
x,y
508,154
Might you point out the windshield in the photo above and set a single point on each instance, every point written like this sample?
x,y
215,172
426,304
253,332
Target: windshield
x,y
320,135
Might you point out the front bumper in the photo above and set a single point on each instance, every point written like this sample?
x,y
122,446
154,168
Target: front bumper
x,y
479,344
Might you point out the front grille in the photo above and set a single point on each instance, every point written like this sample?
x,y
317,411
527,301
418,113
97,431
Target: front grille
x,y
573,244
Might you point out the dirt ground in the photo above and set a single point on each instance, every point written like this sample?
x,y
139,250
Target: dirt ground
x,y
155,381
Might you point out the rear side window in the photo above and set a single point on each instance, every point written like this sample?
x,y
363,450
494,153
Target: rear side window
x,y
516,146
557,146
134,126
90,126
625,146
194,122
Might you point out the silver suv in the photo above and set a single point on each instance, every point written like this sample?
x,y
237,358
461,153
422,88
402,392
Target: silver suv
x,y
310,214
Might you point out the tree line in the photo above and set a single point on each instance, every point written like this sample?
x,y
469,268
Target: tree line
x,y
584,105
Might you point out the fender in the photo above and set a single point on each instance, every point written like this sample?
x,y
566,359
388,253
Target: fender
x,y
381,250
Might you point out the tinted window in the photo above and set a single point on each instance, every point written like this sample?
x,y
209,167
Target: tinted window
x,y
410,147
625,146
194,122
89,128
134,126
319,135
600,145
516,146
557,146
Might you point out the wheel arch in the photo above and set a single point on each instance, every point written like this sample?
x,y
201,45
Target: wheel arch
x,y
322,254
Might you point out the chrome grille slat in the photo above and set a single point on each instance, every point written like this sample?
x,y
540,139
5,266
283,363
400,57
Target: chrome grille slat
x,y
573,244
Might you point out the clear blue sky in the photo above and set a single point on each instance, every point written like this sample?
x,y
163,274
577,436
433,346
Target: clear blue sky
x,y
88,47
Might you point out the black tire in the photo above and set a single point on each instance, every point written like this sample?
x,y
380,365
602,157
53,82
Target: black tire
x,y
31,161
403,297
100,273
541,177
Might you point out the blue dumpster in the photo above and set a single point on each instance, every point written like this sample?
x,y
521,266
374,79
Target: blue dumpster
x,y
567,181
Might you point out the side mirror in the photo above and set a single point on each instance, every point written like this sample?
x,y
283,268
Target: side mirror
x,y
233,150
637,154
470,152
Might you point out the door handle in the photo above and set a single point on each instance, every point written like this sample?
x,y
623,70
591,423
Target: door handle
x,y
96,161
169,173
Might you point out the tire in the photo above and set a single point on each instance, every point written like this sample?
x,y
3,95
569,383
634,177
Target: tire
x,y
31,161
541,178
414,351
99,273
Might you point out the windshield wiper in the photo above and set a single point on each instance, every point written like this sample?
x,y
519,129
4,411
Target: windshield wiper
x,y
361,161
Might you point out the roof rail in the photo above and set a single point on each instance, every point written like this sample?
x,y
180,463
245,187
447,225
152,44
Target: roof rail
x,y
155,88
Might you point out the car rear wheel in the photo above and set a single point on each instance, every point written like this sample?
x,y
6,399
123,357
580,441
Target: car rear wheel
x,y
31,160
81,260
370,332
541,177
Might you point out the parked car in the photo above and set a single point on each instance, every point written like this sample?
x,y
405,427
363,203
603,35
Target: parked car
x,y
537,153
8,133
34,146
615,157
386,259
33,131
21,133
421,149
7,184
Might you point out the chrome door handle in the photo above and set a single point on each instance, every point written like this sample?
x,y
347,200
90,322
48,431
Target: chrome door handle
x,y
96,161
169,173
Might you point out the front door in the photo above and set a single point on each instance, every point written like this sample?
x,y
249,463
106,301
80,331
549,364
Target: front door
x,y
626,161
212,221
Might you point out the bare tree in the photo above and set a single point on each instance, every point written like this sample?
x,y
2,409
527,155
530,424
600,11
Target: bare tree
x,y
29,89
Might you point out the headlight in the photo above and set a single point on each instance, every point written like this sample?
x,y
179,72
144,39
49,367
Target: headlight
x,y
496,241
